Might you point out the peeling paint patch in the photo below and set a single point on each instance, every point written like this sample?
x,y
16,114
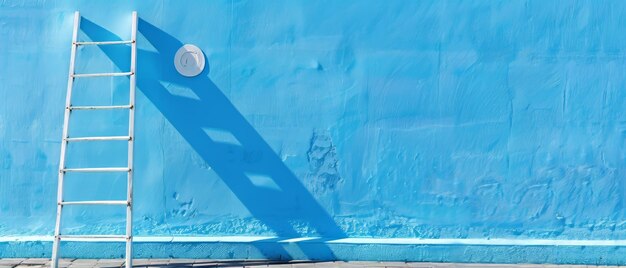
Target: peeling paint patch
x,y
183,208
323,162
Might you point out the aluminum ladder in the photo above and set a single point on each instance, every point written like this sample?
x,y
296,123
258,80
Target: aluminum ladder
x,y
127,238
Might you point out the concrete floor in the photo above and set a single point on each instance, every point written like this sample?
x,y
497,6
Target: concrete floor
x,y
169,263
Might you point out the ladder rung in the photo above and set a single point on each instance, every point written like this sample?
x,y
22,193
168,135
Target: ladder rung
x,y
99,202
93,238
100,107
110,169
108,138
102,74
105,43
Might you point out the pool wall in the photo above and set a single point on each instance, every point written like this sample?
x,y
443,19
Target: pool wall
x,y
467,131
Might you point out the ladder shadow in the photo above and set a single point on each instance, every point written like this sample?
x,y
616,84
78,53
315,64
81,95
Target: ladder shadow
x,y
278,208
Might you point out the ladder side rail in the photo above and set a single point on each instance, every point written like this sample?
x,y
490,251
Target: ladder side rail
x,y
131,134
66,119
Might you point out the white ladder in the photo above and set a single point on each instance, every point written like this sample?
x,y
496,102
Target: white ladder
x,y
66,139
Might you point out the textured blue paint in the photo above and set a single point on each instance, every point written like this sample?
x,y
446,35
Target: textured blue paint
x,y
401,119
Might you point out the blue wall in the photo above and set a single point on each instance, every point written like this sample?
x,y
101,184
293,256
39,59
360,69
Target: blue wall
x,y
406,120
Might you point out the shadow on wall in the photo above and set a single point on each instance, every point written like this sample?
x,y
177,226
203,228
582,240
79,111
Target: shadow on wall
x,y
278,209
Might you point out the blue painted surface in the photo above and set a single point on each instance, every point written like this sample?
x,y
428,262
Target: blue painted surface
x,y
403,119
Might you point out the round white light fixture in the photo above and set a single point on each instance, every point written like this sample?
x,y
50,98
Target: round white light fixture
x,y
189,60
